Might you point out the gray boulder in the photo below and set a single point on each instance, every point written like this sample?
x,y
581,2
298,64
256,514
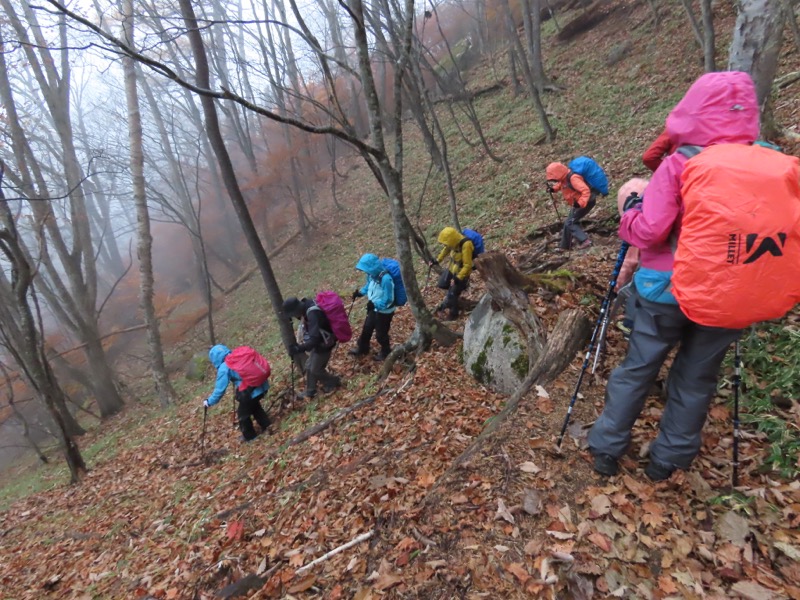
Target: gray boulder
x,y
196,367
494,352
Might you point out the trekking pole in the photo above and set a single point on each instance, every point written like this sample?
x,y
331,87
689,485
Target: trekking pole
x,y
428,277
203,435
601,340
555,205
623,250
737,382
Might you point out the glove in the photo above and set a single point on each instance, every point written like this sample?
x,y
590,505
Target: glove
x,y
456,280
633,201
357,294
205,403
294,350
370,306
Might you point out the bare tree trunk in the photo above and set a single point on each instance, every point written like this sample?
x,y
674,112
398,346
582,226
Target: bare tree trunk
x,y
229,175
549,134
788,6
163,388
755,49
709,42
698,33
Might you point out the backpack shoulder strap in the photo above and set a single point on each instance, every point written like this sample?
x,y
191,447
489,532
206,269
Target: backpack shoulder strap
x,y
690,151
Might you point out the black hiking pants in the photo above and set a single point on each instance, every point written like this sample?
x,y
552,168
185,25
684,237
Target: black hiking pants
x,y
572,229
455,287
247,409
379,323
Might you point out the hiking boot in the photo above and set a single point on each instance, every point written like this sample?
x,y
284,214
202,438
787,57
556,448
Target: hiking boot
x,y
357,351
306,395
327,389
584,245
606,465
380,356
657,472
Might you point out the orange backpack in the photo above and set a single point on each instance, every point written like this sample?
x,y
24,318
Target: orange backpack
x,y
737,260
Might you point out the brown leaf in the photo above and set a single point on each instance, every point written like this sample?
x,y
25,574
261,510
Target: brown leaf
x,y
529,467
601,541
303,584
532,547
386,581
296,560
732,528
518,570
601,506
234,530
426,479
753,591
580,587
171,593
502,512
459,499
532,502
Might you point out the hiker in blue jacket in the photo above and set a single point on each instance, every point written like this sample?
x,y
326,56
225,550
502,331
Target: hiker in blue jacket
x,y
318,341
248,402
379,290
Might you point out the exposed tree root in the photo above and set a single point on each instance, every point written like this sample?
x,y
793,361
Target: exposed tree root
x,y
567,337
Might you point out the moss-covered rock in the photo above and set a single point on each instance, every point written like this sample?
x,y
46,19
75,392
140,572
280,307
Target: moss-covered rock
x,y
494,354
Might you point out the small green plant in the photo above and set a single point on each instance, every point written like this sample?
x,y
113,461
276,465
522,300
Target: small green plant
x,y
735,501
771,371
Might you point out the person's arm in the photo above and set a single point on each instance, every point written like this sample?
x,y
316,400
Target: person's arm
x,y
443,254
652,225
467,250
581,189
386,299
363,291
655,154
628,267
223,378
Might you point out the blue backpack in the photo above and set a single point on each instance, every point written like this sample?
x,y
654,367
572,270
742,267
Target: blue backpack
x,y
476,239
592,173
393,268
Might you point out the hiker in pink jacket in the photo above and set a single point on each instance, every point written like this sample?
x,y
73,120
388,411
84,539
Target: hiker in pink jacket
x,y
718,108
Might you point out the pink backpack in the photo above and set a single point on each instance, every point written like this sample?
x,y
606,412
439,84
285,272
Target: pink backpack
x,y
250,365
331,304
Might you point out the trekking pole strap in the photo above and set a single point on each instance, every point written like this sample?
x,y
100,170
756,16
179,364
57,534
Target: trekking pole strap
x,y
623,250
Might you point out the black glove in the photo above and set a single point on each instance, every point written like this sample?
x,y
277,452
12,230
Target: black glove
x,y
294,349
633,201
357,294
370,306
433,263
456,280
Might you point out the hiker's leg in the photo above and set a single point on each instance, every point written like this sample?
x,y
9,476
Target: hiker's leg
x,y
691,384
566,232
383,323
317,364
366,332
453,294
259,414
244,408
576,215
658,327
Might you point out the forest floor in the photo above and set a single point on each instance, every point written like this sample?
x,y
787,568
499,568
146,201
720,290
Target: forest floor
x,y
157,518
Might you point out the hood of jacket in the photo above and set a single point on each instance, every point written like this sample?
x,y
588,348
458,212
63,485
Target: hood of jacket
x,y
637,184
217,354
371,265
450,237
556,171
718,108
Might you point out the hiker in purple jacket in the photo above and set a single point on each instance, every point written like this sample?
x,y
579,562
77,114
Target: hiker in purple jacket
x,y
318,341
719,108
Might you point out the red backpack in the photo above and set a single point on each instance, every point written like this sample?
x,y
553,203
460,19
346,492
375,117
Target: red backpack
x,y
331,304
250,365
738,254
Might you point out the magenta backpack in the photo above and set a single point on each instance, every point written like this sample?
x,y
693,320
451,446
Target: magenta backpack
x,y
331,304
250,365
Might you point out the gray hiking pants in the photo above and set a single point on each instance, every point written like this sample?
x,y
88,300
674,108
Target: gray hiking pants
x,y
316,370
572,229
691,384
